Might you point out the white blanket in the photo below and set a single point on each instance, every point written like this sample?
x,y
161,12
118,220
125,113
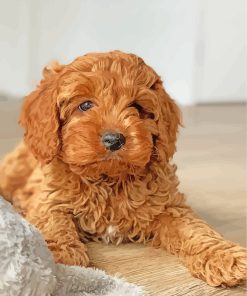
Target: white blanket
x,y
27,266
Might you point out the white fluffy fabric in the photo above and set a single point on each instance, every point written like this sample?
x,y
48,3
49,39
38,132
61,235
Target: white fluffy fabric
x,y
27,266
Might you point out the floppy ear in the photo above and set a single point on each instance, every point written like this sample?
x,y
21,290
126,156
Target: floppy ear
x,y
39,117
169,121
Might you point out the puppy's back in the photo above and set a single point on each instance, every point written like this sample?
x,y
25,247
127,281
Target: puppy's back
x,y
15,168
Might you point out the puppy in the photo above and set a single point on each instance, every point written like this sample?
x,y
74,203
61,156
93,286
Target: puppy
x,y
100,134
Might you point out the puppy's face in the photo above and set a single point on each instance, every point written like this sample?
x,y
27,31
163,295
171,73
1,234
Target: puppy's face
x,y
102,114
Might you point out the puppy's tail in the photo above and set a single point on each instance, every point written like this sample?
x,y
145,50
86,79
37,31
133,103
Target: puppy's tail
x,y
15,168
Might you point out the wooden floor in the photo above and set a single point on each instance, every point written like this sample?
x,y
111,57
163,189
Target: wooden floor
x,y
211,161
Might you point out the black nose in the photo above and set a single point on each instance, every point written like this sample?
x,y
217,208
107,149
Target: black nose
x,y
113,141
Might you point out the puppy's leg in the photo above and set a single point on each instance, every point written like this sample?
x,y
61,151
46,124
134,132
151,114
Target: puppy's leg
x,y
59,231
205,252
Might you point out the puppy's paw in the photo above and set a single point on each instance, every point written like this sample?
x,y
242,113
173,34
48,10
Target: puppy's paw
x,y
72,254
224,267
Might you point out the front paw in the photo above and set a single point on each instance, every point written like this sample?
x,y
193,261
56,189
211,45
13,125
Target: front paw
x,y
72,254
224,267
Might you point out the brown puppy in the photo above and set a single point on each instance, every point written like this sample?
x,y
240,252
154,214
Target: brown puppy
x,y
103,131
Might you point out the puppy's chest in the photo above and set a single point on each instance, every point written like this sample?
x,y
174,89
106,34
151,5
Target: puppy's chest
x,y
113,218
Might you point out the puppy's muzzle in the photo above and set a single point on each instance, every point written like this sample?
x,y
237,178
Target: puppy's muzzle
x,y
113,141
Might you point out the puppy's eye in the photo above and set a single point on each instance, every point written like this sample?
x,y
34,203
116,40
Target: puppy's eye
x,y
85,106
137,106
142,112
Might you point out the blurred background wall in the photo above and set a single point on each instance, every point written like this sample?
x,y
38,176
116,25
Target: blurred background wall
x,y
198,47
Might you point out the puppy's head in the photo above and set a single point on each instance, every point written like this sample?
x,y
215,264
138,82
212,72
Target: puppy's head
x,y
104,113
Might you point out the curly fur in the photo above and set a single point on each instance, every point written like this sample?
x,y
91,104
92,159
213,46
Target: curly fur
x,y
78,191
